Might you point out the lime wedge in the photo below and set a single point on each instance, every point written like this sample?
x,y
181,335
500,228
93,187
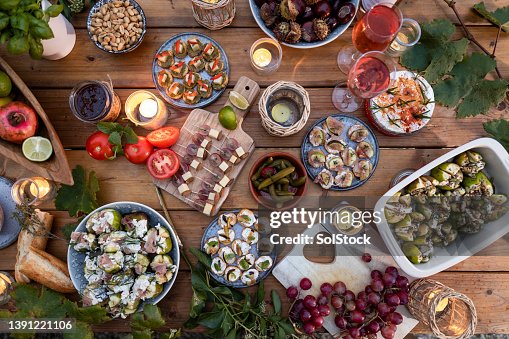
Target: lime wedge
x,y
238,100
37,149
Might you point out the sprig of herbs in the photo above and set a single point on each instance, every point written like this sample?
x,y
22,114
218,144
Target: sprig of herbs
x,y
117,135
27,218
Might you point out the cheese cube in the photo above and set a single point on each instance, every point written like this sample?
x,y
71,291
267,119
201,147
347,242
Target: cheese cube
x,y
234,159
205,143
207,210
212,196
225,181
224,166
240,152
201,153
195,164
218,188
188,176
214,133
184,189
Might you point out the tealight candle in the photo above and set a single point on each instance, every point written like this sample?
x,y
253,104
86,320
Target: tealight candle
x,y
148,108
262,57
266,55
144,109
6,281
32,191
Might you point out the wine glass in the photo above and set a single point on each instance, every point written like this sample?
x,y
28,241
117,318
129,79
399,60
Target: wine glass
x,y
369,76
374,32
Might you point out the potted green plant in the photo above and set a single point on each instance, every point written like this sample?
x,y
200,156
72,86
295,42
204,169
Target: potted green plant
x,y
24,24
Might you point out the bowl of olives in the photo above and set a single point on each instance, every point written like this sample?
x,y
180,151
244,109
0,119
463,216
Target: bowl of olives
x,y
304,23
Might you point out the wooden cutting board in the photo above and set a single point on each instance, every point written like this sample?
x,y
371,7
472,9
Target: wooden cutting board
x,y
349,269
57,167
250,90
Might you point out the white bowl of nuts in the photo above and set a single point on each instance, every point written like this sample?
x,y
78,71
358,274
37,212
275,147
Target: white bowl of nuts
x,y
116,26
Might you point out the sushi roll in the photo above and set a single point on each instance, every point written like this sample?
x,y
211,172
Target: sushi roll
x,y
191,79
104,221
163,243
83,242
204,88
250,236
165,59
226,235
246,217
194,47
191,97
175,90
226,253
227,219
218,266
163,267
111,262
219,81
215,66
211,246
210,52
232,273
249,277
135,224
263,263
164,78
196,64
246,262
241,247
179,49
179,70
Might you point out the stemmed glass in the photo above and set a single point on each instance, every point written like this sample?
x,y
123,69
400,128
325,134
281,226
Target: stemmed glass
x,y
369,76
374,32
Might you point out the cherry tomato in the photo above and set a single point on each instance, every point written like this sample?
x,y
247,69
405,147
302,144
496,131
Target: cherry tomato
x,y
164,137
98,146
163,164
138,153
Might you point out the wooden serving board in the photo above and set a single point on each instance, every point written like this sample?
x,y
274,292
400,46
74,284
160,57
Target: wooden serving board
x,y
55,168
250,90
349,269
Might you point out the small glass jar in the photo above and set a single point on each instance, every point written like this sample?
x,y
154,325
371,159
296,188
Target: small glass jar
x,y
408,35
146,110
94,101
265,55
6,287
33,191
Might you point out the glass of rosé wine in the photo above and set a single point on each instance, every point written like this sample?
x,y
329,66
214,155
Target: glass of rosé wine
x,y
373,32
369,76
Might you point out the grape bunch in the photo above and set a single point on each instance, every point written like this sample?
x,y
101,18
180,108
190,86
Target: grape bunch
x,y
357,316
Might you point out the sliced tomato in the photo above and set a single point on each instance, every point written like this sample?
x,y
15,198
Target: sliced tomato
x,y
164,137
139,152
163,164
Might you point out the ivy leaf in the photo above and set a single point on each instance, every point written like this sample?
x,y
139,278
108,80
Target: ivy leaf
x,y
276,302
498,129
484,95
32,302
499,17
79,198
150,318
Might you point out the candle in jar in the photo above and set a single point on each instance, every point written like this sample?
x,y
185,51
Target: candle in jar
x,y
148,108
281,113
262,57
39,187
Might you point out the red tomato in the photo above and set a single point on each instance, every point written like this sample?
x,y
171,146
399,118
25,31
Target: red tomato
x,y
98,146
138,153
164,137
163,164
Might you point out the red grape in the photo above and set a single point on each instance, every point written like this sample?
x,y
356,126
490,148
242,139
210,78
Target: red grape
x,y
388,279
322,300
403,297
292,292
401,281
324,310
357,316
349,295
318,322
340,322
388,331
360,304
305,315
336,301
326,289
340,287
350,305
309,328
354,332
297,307
374,298
373,327
392,299
314,312
309,302
347,336
392,270
377,285
366,257
376,274
395,318
368,289
305,284
383,309
340,310
362,295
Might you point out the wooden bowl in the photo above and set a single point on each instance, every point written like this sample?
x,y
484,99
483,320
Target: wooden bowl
x,y
267,201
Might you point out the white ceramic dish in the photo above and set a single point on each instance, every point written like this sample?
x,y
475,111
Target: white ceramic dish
x,y
497,166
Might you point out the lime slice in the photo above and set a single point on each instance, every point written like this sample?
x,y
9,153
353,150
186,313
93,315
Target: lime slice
x,y
37,149
281,113
238,100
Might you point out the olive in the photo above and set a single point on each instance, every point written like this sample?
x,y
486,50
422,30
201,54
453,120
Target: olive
x,y
346,13
322,9
308,32
332,22
307,15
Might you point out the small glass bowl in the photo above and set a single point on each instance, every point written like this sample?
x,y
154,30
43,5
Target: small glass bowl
x,y
275,50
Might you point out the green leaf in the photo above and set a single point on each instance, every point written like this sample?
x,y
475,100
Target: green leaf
x,y
130,135
227,324
143,334
201,256
232,334
54,10
80,197
40,29
81,330
198,281
498,129
444,59
7,5
18,44
174,333
90,315
437,32
485,94
211,319
222,290
36,48
197,303
4,20
20,21
115,139
280,333
499,17
260,294
276,301
191,323
109,127
149,318
289,329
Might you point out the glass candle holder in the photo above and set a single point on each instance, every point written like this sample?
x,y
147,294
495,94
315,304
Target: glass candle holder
x,y
6,287
408,35
94,101
33,191
265,55
146,110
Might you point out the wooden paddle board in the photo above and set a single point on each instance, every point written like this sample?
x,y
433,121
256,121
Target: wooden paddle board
x,y
250,90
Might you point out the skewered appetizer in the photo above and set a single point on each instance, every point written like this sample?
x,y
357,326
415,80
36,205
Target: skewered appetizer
x,y
164,78
175,90
194,47
165,59
215,66
191,79
127,260
191,96
210,52
196,64
179,49
219,80
179,70
204,88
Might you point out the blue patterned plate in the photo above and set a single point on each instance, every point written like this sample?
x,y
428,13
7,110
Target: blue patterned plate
x,y
203,74
348,121
10,229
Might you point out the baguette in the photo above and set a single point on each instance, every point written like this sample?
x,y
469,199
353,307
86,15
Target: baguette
x,y
26,239
46,270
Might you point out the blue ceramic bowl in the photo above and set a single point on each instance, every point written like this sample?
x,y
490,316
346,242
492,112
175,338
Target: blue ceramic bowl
x,y
302,44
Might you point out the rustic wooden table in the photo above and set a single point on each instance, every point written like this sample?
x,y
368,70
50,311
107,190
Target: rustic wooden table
x,y
484,278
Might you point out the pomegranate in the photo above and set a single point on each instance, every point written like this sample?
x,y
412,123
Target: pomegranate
x,y
17,122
